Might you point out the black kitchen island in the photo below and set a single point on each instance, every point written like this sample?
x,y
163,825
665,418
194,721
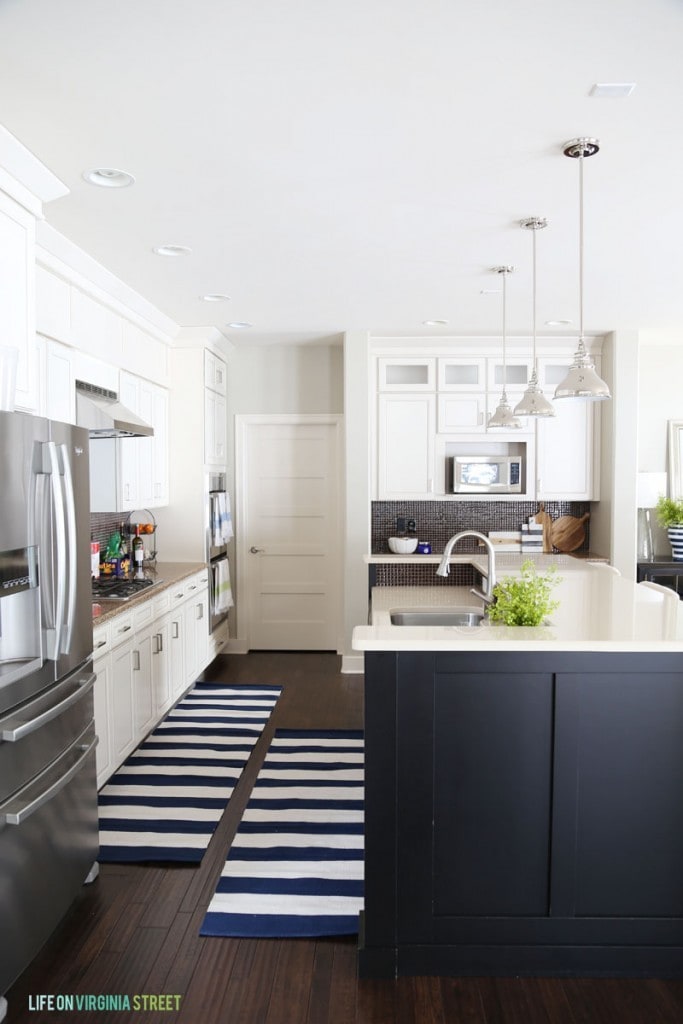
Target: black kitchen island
x,y
524,810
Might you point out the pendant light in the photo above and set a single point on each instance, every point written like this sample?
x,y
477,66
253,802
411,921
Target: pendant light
x,y
582,381
504,417
533,401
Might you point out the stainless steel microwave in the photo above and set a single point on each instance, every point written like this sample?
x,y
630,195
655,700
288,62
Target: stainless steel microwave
x,y
487,474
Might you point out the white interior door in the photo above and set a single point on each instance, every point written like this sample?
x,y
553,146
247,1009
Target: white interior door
x,y
291,534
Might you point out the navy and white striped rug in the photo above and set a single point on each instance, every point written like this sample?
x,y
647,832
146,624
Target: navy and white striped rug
x,y
165,801
295,867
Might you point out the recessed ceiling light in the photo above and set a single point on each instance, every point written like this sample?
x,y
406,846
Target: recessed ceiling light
x,y
558,323
215,297
108,177
612,90
435,323
172,250
239,325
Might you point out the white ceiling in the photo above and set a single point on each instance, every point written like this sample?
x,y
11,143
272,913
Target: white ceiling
x,y
361,165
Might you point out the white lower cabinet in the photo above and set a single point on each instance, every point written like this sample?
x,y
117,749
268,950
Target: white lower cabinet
x,y
121,702
101,692
144,711
145,660
161,668
196,616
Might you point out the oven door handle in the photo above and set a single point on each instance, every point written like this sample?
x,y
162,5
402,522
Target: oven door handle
x,y
20,816
12,735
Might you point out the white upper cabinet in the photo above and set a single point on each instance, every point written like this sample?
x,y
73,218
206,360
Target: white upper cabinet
x,y
517,373
95,328
215,428
431,406
462,413
566,462
53,306
406,374
405,451
462,374
17,297
215,372
60,397
130,473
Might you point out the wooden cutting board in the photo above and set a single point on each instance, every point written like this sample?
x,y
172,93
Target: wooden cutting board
x,y
544,519
568,532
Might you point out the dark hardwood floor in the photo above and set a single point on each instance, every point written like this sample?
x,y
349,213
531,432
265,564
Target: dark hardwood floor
x,y
135,930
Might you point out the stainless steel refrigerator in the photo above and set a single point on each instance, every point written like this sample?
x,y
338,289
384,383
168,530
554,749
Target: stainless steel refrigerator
x,y
48,791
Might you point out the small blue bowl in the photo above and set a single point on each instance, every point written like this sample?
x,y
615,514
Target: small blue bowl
x,y
424,547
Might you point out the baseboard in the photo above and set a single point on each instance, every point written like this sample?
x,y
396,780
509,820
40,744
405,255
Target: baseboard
x,y
235,646
353,663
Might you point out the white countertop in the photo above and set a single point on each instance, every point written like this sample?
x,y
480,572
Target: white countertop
x,y
598,611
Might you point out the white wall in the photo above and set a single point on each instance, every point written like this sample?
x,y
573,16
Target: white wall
x,y
660,399
282,379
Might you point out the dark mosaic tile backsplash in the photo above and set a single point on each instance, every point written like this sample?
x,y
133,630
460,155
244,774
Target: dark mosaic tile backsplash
x,y
436,521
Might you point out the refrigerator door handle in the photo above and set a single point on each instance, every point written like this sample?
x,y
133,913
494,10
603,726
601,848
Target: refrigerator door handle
x,y
72,548
20,816
13,735
54,636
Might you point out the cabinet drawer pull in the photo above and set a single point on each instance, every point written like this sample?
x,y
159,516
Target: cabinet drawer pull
x,y
136,661
175,630
124,629
200,611
100,643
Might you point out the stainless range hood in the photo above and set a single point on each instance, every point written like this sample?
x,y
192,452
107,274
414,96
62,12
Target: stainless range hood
x,y
101,413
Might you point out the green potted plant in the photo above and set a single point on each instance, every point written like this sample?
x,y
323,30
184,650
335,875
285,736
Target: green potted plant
x,y
669,513
524,600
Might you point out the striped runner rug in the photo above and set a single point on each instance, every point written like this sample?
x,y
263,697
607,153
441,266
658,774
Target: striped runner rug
x,y
165,801
295,867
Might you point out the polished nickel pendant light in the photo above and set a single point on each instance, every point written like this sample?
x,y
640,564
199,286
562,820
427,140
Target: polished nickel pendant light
x,y
582,381
504,417
533,401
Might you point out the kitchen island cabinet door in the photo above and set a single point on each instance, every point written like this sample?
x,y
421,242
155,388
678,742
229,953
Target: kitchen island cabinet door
x,y
487,802
618,805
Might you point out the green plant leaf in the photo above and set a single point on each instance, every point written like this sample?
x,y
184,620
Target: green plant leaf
x,y
524,600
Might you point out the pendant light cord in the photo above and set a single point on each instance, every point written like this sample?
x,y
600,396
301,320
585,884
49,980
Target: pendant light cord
x,y
533,292
581,342
505,274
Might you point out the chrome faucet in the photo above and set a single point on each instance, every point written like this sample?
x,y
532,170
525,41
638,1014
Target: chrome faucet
x,y
487,594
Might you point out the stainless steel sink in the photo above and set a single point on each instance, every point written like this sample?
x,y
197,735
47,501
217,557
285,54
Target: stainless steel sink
x,y
436,617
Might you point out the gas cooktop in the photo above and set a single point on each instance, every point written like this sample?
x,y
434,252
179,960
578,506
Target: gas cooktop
x,y
119,588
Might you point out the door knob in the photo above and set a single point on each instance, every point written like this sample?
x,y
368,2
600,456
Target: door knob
x,y
255,551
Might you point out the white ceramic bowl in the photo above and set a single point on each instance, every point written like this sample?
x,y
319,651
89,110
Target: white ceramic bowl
x,y
402,545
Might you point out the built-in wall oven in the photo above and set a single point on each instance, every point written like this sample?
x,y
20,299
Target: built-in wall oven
x,y
219,531
48,791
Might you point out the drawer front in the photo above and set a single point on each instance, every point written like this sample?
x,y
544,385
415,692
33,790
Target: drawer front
x,y
46,857
121,629
31,738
